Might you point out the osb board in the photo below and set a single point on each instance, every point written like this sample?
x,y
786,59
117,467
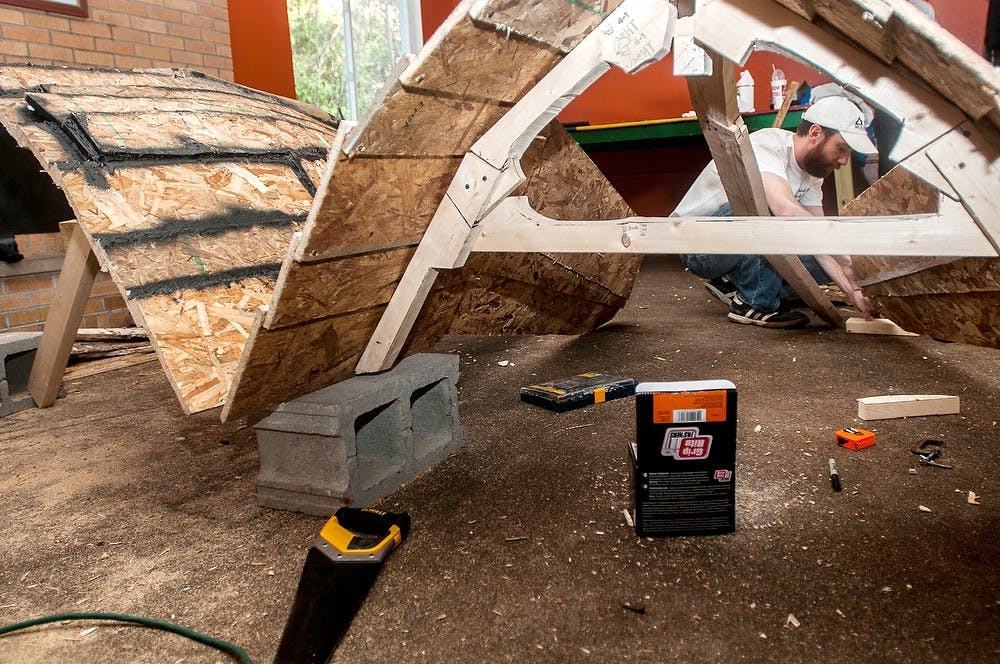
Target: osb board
x,y
199,336
849,19
484,300
894,29
194,245
348,284
284,363
194,224
62,100
563,183
184,127
313,168
23,77
951,316
898,192
500,293
48,148
425,125
804,8
966,276
372,204
941,297
464,64
561,24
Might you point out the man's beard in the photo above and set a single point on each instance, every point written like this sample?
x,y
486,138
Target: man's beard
x,y
815,164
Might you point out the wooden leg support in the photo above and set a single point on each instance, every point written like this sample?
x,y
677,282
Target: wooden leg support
x,y
76,279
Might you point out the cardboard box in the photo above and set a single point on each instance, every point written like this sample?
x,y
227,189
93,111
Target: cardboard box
x,y
684,458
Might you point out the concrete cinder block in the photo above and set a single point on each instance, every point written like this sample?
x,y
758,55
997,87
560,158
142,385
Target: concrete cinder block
x,y
356,441
17,354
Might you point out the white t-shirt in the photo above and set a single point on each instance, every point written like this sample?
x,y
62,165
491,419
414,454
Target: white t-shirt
x,y
773,149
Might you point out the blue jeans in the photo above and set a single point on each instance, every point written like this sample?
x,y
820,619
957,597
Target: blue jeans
x,y
759,284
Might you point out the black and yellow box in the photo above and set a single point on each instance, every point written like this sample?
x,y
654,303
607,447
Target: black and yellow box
x,y
684,458
579,391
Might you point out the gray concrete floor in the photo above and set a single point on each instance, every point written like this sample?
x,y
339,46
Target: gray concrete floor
x,y
115,501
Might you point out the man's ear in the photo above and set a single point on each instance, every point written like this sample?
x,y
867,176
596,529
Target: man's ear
x,y
816,134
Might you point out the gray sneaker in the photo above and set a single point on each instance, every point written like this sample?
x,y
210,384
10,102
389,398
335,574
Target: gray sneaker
x,y
746,314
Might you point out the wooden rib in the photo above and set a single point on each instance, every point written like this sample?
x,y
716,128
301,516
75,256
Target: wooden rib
x,y
972,174
925,115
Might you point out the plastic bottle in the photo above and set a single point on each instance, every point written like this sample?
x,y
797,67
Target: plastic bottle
x,y
778,84
744,92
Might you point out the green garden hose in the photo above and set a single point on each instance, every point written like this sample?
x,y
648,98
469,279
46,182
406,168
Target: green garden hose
x,y
226,647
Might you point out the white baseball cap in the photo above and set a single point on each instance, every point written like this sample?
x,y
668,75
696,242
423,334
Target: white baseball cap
x,y
844,117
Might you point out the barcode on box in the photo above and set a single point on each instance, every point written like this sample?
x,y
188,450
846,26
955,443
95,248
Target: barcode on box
x,y
690,415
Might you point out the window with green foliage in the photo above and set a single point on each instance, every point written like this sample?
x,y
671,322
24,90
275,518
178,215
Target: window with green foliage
x,y
344,50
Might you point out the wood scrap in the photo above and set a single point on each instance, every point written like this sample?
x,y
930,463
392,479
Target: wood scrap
x,y
108,364
110,334
906,405
859,325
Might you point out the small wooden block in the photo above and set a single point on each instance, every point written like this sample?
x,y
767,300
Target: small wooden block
x,y
906,405
859,325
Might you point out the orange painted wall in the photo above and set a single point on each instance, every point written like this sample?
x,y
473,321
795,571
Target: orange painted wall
x,y
655,93
262,45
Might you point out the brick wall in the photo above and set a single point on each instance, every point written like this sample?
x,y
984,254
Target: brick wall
x,y
129,34
27,288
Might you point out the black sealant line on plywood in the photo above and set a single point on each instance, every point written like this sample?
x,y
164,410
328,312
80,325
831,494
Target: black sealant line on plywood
x,y
75,129
233,219
203,281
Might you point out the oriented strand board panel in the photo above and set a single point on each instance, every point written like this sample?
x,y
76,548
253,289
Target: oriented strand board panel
x,y
940,297
189,195
404,192
342,299
898,192
456,65
425,125
561,25
200,123
897,32
381,194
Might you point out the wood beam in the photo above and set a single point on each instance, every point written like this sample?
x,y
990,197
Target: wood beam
x,y
514,226
714,100
80,268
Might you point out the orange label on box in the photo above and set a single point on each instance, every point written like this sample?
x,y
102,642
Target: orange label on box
x,y
669,408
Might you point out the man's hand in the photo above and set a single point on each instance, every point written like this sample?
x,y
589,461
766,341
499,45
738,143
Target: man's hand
x,y
839,268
